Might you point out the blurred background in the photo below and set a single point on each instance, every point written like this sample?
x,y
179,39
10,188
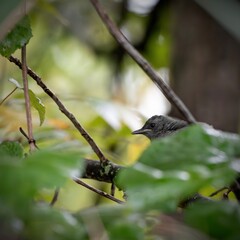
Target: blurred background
x,y
193,45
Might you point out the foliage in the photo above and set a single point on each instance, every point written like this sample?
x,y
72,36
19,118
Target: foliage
x,y
21,178
154,183
169,171
178,166
17,38
34,100
37,104
219,220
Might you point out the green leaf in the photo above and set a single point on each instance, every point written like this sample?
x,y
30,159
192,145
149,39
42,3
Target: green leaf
x,y
119,222
17,38
175,167
11,149
40,222
51,168
35,101
20,181
46,223
220,220
38,105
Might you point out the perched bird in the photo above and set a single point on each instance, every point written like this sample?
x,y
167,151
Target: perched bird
x,y
160,126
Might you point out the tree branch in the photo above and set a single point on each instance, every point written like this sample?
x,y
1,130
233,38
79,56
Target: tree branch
x,y
218,191
195,198
142,62
63,109
27,100
104,194
93,170
55,197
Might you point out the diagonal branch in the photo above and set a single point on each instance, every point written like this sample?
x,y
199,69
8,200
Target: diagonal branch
x,y
142,62
104,194
63,109
8,95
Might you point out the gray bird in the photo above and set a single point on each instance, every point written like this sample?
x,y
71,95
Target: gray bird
x,y
160,126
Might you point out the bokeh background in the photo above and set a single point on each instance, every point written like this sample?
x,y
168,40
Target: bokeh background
x,y
193,45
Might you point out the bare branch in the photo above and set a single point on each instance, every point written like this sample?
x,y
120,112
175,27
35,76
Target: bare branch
x,y
26,136
196,197
8,96
218,191
142,62
104,194
55,197
63,109
27,100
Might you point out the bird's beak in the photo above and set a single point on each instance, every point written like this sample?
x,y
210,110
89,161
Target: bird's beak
x,y
141,131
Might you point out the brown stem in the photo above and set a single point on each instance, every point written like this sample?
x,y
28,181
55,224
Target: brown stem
x,y
8,95
26,136
27,99
63,109
218,191
55,197
142,62
104,194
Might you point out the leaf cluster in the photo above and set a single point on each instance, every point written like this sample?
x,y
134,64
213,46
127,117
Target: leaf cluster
x,y
167,172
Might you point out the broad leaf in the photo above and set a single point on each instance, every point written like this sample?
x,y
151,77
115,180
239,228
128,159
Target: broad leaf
x,y
219,220
17,38
11,149
119,222
21,179
38,105
35,101
178,166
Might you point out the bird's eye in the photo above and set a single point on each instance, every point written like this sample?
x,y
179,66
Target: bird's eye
x,y
152,125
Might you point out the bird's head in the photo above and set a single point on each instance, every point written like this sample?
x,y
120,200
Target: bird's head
x,y
160,126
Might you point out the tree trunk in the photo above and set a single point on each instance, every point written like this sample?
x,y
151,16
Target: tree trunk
x,y
205,68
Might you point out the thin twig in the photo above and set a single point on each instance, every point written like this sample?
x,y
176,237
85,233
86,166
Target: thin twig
x,y
26,136
8,95
63,109
27,99
196,197
142,62
104,194
113,188
23,133
55,197
218,191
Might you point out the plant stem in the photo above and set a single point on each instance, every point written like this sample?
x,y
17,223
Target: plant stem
x,y
27,99
104,194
